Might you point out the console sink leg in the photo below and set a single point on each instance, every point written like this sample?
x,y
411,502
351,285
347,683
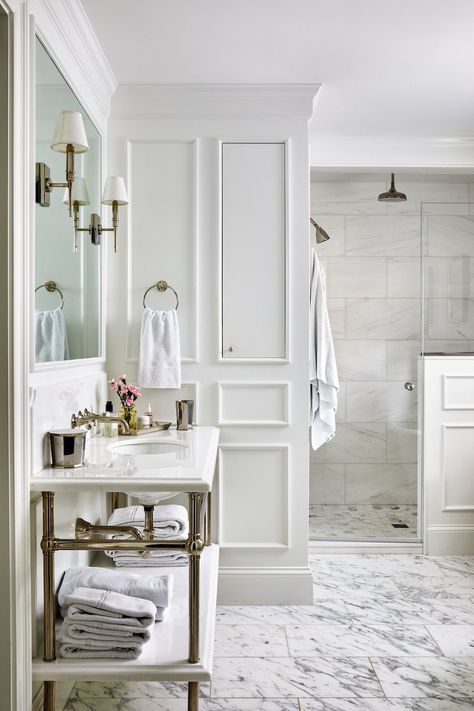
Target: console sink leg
x,y
193,696
49,688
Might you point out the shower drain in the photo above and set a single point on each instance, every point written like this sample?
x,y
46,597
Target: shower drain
x,y
400,525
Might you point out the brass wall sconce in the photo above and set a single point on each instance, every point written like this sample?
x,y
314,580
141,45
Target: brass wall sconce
x,y
69,138
114,194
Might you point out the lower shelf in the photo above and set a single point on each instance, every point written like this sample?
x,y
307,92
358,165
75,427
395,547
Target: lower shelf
x,y
164,656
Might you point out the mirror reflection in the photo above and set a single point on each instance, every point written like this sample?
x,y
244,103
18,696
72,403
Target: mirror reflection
x,y
67,282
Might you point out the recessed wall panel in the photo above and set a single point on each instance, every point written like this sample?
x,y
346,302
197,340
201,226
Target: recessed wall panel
x,y
253,251
253,485
162,236
457,472
458,392
253,403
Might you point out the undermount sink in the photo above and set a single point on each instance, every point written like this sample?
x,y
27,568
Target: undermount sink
x,y
150,454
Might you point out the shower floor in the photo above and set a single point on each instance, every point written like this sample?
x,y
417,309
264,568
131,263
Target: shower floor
x,y
362,521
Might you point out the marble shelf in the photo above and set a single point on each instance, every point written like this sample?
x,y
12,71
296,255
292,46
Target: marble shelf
x,y
164,657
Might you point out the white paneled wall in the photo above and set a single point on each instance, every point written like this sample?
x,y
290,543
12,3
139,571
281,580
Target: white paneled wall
x,y
219,195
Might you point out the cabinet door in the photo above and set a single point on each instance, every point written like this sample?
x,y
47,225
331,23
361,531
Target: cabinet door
x,y
253,251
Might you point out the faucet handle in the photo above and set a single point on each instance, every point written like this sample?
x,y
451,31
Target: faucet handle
x,y
74,420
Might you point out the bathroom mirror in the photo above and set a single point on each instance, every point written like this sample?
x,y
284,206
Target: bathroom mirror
x,y
65,280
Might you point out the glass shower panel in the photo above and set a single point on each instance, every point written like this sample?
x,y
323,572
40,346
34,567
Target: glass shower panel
x,y
363,483
448,277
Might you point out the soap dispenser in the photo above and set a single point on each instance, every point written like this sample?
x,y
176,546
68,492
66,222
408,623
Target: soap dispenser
x,y
110,428
149,415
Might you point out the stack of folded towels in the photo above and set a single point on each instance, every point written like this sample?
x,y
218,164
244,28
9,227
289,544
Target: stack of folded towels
x,y
170,522
109,615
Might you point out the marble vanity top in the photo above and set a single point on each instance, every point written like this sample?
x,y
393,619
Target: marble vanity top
x,y
187,466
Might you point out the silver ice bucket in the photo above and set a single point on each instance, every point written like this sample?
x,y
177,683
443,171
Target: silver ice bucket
x,y
68,448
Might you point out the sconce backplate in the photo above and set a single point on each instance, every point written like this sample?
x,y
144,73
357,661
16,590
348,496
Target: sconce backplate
x,y
43,194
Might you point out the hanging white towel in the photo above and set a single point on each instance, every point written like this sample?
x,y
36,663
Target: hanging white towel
x,y
51,336
160,352
323,369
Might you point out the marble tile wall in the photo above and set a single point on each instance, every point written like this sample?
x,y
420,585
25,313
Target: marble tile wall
x,y
373,268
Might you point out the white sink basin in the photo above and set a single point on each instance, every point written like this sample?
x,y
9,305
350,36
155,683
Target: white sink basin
x,y
150,454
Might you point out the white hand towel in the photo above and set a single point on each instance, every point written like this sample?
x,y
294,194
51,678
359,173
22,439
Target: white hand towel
x,y
123,559
102,632
72,649
323,369
169,520
157,588
51,336
89,605
159,364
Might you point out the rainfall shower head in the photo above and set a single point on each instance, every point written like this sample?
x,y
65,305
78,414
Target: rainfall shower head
x,y
392,195
321,235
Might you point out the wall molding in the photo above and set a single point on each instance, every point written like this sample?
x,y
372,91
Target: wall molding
x,y
444,471
269,545
417,152
459,406
214,100
221,386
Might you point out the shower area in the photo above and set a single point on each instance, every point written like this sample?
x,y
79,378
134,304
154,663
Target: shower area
x,y
399,283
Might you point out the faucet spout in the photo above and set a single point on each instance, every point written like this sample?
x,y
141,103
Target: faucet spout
x,y
92,418
84,529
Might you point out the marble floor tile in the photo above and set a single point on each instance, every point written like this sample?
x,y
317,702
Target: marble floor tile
x,y
361,521
212,705
361,640
125,690
415,588
450,678
93,704
274,678
389,565
250,641
371,609
456,566
454,640
334,611
384,705
339,587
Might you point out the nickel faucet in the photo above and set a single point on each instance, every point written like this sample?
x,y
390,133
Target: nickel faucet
x,y
86,417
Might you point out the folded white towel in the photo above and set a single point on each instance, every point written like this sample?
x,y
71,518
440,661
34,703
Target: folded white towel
x,y
73,649
157,588
101,632
51,336
123,559
107,608
159,364
169,521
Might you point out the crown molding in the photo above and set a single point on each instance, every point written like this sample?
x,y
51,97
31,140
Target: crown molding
x,y
456,152
213,100
67,33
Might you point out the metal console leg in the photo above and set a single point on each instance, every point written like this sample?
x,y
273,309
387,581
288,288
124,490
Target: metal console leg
x,y
208,521
195,547
49,643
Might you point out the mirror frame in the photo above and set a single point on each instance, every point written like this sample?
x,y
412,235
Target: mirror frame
x,y
79,86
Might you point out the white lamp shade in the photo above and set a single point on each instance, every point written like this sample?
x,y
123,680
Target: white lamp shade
x,y
70,131
115,191
79,192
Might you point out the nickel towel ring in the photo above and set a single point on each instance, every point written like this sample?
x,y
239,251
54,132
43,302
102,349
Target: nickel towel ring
x,y
51,286
161,286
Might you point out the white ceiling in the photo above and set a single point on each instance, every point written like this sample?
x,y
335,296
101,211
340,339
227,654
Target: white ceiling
x,y
387,68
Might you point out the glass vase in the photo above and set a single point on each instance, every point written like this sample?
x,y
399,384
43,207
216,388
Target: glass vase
x,y
129,414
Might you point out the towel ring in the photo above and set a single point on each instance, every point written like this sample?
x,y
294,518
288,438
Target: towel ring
x,y
161,286
51,286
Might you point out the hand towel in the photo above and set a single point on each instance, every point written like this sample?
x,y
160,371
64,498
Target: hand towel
x,y
90,605
157,588
159,364
51,336
101,632
123,559
169,520
324,381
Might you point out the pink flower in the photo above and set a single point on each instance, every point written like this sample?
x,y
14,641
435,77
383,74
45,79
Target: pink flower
x,y
129,402
113,385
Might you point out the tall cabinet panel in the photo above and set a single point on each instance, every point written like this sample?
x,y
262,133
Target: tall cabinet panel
x,y
253,251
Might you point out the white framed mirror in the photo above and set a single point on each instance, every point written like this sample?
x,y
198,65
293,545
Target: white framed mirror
x,y
67,283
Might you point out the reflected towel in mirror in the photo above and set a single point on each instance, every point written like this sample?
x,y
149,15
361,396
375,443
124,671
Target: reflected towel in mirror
x,y
51,341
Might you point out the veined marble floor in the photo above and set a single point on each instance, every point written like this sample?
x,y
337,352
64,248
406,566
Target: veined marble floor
x,y
361,521
385,633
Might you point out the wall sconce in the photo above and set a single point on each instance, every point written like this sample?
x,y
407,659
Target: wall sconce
x,y
69,138
80,198
114,194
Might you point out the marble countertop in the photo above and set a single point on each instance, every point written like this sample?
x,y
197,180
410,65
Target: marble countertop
x,y
188,466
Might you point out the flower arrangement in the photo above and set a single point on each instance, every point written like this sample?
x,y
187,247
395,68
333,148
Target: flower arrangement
x,y
128,395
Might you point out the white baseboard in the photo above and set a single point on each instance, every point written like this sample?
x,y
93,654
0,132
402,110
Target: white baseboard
x,y
449,540
265,586
345,547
